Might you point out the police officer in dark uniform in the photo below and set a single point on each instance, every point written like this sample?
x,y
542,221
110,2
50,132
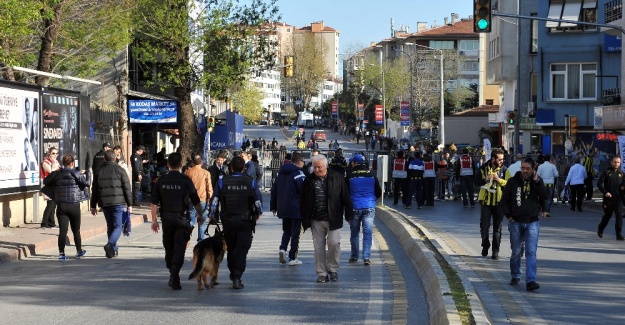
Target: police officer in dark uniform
x,y
338,162
98,159
173,192
241,205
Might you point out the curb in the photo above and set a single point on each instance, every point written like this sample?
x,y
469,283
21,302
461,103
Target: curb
x,y
17,251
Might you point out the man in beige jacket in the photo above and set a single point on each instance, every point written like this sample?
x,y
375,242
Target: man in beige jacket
x,y
201,178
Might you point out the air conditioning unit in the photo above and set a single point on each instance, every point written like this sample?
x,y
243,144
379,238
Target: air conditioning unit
x,y
611,100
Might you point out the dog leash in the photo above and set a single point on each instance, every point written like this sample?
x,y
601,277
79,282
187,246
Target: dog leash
x,y
217,228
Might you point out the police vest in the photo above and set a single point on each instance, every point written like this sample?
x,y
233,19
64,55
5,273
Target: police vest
x,y
429,169
174,192
399,168
237,195
465,166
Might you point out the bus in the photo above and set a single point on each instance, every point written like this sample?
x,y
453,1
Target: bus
x,y
305,119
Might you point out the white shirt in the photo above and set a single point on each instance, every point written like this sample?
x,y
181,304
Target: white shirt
x,y
514,168
576,176
548,172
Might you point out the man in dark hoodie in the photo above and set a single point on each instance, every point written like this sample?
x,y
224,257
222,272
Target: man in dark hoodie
x,y
285,203
523,198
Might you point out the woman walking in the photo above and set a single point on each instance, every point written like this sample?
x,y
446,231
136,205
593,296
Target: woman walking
x,y
69,185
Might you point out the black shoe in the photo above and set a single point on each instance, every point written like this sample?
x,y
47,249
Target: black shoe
x,y
174,282
495,256
236,284
322,279
367,263
334,276
353,260
484,251
620,238
532,286
514,281
600,232
109,251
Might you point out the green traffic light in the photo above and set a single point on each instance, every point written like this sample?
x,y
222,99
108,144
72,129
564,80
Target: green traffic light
x,y
482,24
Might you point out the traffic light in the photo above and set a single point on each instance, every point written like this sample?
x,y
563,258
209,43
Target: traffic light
x,y
288,66
511,118
573,124
482,16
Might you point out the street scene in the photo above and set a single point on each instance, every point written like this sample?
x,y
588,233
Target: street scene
x,y
281,162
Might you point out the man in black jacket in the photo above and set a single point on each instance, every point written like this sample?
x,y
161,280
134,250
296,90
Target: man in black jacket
x,y
112,191
136,163
98,159
325,199
612,185
523,198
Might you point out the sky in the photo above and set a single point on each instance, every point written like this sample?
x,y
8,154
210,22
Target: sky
x,y
363,21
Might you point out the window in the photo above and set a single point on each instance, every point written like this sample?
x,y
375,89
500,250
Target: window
x,y
573,81
469,45
442,45
574,10
470,66
534,44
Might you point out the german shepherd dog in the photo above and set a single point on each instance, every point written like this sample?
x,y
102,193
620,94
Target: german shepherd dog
x,y
207,256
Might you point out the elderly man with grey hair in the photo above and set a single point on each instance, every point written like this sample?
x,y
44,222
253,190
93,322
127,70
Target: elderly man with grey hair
x,y
325,199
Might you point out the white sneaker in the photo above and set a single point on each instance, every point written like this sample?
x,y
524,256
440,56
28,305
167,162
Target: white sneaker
x,y
282,257
295,262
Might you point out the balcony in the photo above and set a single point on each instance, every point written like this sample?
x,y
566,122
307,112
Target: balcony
x,y
613,12
611,96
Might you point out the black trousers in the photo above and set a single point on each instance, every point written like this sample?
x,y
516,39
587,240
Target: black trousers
x,y
136,188
68,215
176,235
291,229
238,234
428,190
466,188
400,184
612,205
486,212
48,214
588,187
577,196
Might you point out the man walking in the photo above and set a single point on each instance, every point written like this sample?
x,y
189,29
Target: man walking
x,y
364,189
338,162
522,200
575,179
136,163
111,190
285,203
98,158
400,177
590,174
201,178
415,174
491,179
612,185
548,172
464,168
325,199
218,170
173,193
241,206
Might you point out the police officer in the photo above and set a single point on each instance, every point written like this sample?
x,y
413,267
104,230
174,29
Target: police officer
x,y
338,162
173,192
241,205
98,159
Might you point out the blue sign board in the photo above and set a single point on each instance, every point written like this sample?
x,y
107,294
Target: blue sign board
x,y
612,44
153,111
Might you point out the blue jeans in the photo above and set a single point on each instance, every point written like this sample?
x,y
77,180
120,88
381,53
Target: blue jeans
x,y
528,232
193,216
550,190
114,225
366,217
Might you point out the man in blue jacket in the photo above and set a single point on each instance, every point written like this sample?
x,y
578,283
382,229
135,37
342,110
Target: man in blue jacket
x,y
364,189
285,202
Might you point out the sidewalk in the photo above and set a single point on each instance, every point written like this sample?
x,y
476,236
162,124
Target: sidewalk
x,y
30,239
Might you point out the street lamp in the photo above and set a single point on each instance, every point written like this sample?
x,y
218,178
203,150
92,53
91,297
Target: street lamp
x,y
411,72
383,93
441,128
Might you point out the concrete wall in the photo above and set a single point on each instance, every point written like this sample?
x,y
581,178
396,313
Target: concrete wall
x,y
463,129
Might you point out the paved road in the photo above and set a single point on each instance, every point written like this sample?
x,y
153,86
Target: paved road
x,y
581,275
133,287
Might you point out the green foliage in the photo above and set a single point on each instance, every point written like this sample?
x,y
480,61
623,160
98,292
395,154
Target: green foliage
x,y
247,101
308,73
18,19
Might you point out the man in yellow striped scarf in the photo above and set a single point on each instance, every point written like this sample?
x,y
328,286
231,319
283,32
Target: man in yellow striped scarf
x,y
491,178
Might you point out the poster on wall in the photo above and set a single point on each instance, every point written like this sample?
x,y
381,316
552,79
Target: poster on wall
x,y
19,140
60,124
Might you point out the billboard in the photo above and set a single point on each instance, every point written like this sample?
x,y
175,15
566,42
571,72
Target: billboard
x,y
152,111
60,124
19,139
404,114
379,114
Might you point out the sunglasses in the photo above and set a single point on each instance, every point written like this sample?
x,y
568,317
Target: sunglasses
x,y
54,153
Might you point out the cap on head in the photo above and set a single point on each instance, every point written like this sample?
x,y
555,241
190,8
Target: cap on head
x,y
358,158
106,145
140,147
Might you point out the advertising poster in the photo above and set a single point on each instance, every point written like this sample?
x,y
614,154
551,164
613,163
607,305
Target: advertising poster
x,y
404,114
19,140
153,111
379,114
335,109
60,124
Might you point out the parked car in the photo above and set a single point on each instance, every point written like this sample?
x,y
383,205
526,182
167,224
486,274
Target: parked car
x,y
319,135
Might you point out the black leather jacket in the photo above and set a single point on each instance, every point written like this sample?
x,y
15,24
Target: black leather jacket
x,y
69,185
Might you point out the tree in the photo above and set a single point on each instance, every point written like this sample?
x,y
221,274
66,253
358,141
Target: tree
x,y
204,45
247,102
308,71
70,37
393,89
